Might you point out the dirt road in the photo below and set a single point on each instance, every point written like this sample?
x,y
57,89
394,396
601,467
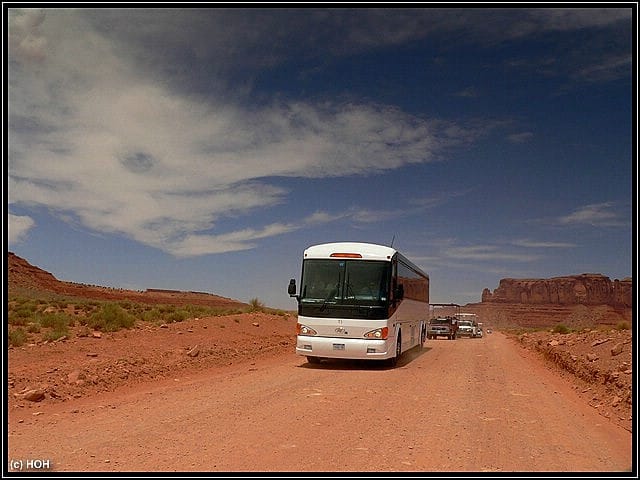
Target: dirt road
x,y
470,405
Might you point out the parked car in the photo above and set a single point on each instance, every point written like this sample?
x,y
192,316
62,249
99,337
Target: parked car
x,y
466,329
442,326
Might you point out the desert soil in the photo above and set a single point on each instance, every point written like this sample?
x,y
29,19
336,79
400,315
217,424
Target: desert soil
x,y
228,394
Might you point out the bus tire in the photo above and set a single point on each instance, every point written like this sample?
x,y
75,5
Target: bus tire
x,y
393,361
313,360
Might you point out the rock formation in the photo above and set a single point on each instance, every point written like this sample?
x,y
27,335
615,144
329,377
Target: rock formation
x,y
584,289
22,275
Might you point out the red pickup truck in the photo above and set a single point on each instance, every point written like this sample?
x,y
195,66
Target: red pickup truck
x,y
443,327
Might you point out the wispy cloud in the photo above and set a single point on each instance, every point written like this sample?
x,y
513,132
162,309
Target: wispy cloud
x,y
521,137
94,137
487,253
470,92
414,206
319,217
596,215
194,244
18,227
607,68
109,125
537,244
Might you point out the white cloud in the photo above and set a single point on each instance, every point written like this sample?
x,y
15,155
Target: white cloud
x,y
99,129
194,244
536,244
91,135
596,215
318,217
18,227
487,253
605,69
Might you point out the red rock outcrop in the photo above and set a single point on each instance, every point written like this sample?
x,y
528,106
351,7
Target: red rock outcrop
x,y
584,289
23,275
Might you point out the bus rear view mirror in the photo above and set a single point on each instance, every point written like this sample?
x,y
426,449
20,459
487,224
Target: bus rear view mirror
x,y
292,287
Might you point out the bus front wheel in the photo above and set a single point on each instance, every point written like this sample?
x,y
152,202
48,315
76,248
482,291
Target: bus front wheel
x,y
393,361
313,360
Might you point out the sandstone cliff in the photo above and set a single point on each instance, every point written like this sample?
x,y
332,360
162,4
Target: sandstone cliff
x,y
584,289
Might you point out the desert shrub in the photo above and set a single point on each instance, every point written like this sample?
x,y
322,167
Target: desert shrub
x,y
177,316
57,332
137,310
255,305
197,310
17,337
21,312
53,320
623,326
17,319
110,318
152,315
33,327
126,304
25,310
85,308
560,328
162,313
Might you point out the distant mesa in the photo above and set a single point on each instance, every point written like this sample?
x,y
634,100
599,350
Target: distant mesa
x,y
585,289
22,275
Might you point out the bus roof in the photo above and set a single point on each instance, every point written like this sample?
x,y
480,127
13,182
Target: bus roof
x,y
367,251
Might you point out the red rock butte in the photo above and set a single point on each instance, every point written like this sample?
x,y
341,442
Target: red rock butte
x,y
584,289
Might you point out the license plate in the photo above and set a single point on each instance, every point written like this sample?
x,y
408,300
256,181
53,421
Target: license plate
x,y
338,346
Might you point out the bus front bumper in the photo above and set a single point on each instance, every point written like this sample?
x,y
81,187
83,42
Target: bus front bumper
x,y
349,348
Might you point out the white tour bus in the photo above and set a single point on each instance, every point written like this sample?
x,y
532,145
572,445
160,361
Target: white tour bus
x,y
359,301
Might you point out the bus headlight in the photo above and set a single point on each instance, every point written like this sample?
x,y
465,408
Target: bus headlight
x,y
378,333
304,330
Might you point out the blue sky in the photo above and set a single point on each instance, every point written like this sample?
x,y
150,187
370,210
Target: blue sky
x,y
205,149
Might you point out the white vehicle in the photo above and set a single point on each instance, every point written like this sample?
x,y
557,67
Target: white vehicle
x,y
359,301
467,324
465,329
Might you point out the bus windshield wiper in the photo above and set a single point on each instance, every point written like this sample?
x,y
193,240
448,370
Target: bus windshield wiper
x,y
332,293
349,288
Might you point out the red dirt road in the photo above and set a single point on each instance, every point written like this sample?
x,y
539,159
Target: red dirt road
x,y
470,405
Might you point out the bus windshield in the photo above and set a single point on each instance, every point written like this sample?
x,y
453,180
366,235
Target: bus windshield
x,y
345,282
